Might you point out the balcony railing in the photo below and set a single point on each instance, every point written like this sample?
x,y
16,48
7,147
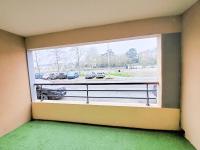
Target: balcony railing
x,y
148,91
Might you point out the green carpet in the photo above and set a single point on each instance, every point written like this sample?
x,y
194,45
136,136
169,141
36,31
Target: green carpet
x,y
49,135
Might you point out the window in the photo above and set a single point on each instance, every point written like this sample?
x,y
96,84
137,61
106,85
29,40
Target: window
x,y
120,72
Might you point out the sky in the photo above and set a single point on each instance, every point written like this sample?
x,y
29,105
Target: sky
x,y
118,47
121,46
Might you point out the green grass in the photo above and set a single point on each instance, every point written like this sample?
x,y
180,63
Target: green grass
x,y
119,74
48,135
82,74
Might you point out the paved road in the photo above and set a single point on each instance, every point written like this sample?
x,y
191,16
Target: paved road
x,y
107,87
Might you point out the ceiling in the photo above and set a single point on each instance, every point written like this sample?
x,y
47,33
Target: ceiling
x,y
32,17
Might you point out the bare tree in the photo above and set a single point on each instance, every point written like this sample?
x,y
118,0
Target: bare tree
x,y
36,60
57,60
79,56
91,57
108,55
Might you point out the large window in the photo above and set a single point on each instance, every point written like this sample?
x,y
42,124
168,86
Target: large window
x,y
122,71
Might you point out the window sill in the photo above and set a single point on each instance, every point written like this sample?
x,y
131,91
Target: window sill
x,y
99,103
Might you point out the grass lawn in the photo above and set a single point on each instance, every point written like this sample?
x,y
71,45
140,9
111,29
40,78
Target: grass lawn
x,y
49,135
119,74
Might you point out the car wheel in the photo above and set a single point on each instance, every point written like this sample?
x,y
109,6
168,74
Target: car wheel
x,y
44,97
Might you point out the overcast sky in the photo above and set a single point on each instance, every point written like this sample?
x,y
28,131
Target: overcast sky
x,y
124,46
121,46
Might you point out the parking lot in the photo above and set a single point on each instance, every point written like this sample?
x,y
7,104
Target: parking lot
x,y
111,94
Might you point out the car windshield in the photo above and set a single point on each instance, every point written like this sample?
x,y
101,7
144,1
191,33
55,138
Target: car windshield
x,y
71,73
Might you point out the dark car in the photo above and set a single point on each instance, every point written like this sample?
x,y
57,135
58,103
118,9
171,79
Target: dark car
x,y
50,94
61,76
39,76
72,75
90,75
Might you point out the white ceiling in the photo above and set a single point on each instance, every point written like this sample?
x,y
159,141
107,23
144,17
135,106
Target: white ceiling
x,y
32,17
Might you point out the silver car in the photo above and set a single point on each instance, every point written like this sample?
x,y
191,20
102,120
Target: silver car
x,y
100,75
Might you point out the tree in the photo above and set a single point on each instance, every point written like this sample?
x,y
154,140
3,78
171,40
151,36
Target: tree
x,y
132,56
57,60
107,59
148,57
91,57
79,56
36,60
121,60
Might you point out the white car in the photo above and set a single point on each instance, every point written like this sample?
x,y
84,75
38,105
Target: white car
x,y
45,76
100,75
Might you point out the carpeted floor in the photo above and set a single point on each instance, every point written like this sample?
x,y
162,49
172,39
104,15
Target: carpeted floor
x,y
48,135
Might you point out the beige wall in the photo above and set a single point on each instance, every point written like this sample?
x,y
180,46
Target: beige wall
x,y
166,119
15,103
124,116
191,75
107,32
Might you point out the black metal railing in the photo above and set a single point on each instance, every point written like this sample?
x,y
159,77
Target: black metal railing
x,y
49,93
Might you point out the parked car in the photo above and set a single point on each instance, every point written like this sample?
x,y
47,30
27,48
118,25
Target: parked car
x,y
100,75
76,74
154,90
52,76
72,75
90,75
62,76
38,75
45,76
48,94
